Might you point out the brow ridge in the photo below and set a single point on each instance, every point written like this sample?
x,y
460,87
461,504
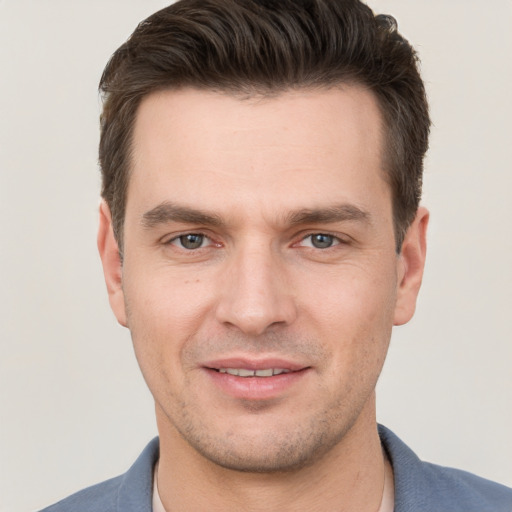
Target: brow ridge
x,y
338,213
168,211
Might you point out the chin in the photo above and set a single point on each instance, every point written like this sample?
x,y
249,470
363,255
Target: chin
x,y
274,459
270,450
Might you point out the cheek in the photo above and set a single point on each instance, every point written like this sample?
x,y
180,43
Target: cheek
x,y
164,299
163,313
353,314
350,296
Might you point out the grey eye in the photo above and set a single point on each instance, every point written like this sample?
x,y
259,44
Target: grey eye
x,y
321,241
191,241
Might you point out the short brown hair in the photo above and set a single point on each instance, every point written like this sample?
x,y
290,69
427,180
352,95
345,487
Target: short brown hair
x,y
266,47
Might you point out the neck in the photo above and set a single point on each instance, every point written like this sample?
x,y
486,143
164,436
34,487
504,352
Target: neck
x,y
349,478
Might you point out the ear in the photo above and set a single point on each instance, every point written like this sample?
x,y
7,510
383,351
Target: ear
x,y
111,261
411,264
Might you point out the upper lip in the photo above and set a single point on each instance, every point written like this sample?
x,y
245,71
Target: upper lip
x,y
255,364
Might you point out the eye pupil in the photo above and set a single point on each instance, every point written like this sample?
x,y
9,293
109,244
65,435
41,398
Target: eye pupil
x,y
321,241
191,241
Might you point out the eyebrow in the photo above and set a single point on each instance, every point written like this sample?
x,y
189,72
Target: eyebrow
x,y
167,212
337,213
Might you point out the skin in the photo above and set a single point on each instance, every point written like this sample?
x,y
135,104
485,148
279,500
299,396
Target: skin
x,y
256,179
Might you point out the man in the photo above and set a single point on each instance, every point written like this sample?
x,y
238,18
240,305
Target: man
x,y
260,235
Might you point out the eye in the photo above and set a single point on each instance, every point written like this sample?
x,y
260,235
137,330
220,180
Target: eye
x,y
191,241
320,241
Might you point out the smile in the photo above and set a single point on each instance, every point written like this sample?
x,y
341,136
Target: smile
x,y
243,372
253,380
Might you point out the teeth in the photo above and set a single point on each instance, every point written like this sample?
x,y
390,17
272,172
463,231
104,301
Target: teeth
x,y
264,373
243,372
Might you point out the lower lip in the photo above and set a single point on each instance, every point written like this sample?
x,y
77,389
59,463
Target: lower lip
x,y
256,388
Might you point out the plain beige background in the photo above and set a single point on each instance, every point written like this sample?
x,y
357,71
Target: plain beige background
x,y
74,409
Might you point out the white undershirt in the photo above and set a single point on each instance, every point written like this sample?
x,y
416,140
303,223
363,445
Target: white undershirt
x,y
157,502
388,493
387,504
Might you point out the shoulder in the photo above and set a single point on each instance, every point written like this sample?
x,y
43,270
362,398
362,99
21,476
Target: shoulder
x,y
130,492
101,497
461,490
425,487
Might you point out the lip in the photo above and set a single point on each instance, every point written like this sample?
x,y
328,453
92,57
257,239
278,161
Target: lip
x,y
255,364
256,388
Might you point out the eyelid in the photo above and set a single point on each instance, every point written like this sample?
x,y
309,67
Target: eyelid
x,y
336,240
169,239
175,237
340,238
178,241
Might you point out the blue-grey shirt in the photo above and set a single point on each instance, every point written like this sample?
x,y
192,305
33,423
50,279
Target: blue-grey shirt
x,y
419,486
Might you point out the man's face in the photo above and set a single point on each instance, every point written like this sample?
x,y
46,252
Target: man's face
x,y
260,280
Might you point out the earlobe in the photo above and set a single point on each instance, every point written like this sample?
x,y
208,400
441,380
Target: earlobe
x,y
412,263
111,261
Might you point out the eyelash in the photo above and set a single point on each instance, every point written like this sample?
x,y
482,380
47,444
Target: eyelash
x,y
335,241
179,239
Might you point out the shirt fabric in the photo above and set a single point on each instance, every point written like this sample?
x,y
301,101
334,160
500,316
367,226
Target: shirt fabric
x,y
418,486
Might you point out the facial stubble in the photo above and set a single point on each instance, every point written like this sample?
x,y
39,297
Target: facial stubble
x,y
277,446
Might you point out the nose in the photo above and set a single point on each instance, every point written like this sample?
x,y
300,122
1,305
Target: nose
x,y
255,292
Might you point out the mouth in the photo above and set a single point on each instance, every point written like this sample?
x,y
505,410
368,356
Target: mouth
x,y
256,380
244,372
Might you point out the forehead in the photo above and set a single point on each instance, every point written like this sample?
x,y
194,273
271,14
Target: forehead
x,y
192,143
